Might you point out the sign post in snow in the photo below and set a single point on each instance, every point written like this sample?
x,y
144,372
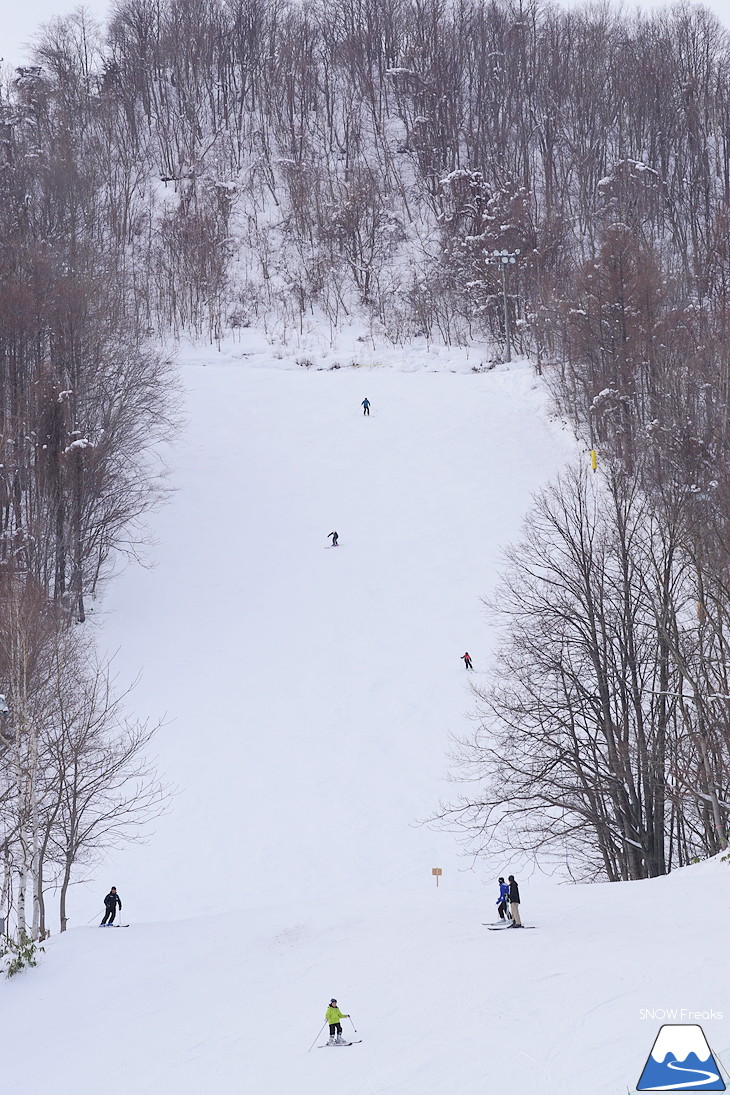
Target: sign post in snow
x,y
437,871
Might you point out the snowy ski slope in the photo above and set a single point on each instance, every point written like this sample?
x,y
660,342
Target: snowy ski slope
x,y
310,690
310,693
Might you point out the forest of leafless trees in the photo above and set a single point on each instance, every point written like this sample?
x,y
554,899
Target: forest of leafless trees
x,y
206,165
73,775
237,160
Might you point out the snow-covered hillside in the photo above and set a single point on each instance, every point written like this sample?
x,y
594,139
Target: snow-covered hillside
x,y
309,694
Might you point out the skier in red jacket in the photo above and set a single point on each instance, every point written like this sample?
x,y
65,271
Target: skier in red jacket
x,y
466,658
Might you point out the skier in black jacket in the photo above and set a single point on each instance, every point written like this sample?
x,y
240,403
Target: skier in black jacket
x,y
514,902
111,901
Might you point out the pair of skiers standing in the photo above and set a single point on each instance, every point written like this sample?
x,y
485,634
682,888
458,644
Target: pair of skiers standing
x,y
509,892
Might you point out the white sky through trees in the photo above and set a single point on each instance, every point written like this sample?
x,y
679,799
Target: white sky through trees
x,y
19,21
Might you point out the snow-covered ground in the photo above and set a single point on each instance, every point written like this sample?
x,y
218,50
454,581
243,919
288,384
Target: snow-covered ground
x,y
310,690
231,1003
309,694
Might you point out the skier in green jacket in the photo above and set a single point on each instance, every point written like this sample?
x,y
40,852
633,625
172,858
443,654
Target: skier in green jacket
x,y
333,1016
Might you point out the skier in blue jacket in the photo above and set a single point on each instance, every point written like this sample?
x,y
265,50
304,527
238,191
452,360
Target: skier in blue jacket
x,y
503,900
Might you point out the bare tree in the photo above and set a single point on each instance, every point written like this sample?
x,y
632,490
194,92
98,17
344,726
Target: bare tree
x,y
583,745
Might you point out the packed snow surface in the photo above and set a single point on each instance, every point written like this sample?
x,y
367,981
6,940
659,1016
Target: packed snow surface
x,y
309,694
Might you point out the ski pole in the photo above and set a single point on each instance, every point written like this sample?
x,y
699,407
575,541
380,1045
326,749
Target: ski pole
x,y
318,1034
353,1025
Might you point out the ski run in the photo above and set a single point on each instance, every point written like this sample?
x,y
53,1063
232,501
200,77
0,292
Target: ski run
x,y
308,698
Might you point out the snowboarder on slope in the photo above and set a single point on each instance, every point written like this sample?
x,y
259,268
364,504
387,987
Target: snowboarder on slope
x,y
502,900
111,901
366,406
333,1016
514,902
334,538
466,658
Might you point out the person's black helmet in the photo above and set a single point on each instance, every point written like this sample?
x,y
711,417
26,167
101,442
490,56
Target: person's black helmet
x,y
500,880
333,1001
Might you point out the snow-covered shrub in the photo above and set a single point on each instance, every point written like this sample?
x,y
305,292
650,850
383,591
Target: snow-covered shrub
x,y
20,954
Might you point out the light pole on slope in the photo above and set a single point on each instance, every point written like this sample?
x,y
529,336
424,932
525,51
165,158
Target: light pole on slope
x,y
503,259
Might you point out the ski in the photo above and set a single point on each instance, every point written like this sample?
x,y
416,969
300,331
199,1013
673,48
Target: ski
x,y
523,927
336,1044
114,925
